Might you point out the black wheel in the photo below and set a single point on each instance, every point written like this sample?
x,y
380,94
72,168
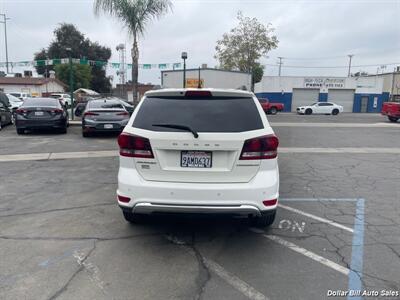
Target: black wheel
x,y
63,130
335,112
20,131
392,119
273,110
85,134
133,218
308,111
265,220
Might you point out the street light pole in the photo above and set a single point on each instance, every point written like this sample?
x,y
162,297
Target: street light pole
x,y
71,82
184,57
350,57
5,37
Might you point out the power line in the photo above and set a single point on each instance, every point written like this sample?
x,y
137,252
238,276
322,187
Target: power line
x,y
333,67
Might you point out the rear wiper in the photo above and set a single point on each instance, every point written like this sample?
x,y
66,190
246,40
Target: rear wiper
x,y
177,126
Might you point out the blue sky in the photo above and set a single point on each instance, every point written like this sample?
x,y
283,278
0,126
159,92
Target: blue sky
x,y
311,33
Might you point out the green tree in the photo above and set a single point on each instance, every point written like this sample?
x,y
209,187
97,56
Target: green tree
x,y
82,75
68,36
135,15
244,45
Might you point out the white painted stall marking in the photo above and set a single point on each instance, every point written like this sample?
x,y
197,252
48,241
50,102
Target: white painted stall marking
x,y
234,281
307,253
243,287
323,220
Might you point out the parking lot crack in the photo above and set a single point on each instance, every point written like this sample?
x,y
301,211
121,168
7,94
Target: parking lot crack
x,y
77,271
57,209
204,274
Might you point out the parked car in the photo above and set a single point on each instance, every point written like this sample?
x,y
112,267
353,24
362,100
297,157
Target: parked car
x,y
65,98
199,151
21,96
5,114
14,101
103,115
270,107
41,113
129,107
391,110
326,108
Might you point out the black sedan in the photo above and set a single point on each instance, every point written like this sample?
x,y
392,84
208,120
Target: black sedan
x,y
41,113
103,115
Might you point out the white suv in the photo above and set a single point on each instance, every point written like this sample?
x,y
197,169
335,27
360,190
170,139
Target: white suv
x,y
199,151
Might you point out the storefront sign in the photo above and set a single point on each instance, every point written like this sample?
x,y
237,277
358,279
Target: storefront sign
x,y
194,83
324,82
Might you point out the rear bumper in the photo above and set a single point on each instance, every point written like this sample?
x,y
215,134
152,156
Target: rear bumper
x,y
174,197
37,124
90,126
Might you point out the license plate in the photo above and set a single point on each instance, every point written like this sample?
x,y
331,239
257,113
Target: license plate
x,y
196,159
108,126
38,113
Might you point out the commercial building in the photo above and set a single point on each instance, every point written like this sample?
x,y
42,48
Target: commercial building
x,y
209,78
355,94
35,86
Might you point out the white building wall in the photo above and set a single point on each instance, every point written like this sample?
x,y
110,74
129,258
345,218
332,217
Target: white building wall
x,y
211,79
52,87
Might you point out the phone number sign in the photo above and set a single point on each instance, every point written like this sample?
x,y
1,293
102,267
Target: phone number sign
x,y
324,82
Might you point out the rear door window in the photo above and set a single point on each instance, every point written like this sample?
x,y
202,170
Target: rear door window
x,y
105,104
202,115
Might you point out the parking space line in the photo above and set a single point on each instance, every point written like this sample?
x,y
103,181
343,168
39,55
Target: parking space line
x,y
336,125
350,150
113,153
234,281
319,199
323,220
305,252
357,250
214,267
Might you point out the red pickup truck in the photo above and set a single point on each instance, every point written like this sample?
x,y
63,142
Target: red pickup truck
x,y
270,107
392,110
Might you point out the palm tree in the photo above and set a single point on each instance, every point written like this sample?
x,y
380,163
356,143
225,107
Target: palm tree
x,y
135,14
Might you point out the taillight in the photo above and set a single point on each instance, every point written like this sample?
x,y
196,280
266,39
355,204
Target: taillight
x,y
270,202
263,147
89,113
134,146
123,199
57,111
197,93
21,111
124,113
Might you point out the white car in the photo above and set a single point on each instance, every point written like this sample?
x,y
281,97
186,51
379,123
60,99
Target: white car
x,y
199,151
21,96
65,98
14,101
326,108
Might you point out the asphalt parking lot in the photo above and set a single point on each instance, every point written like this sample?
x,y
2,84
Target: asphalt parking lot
x,y
62,235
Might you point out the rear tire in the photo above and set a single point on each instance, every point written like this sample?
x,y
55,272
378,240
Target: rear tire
x,y
273,110
20,131
335,112
133,218
63,130
265,220
85,134
308,111
393,119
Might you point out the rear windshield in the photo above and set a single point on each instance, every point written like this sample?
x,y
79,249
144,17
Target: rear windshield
x,y
105,104
202,115
41,102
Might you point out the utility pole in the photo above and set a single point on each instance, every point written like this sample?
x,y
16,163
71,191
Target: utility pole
x,y
280,64
5,37
71,81
350,57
